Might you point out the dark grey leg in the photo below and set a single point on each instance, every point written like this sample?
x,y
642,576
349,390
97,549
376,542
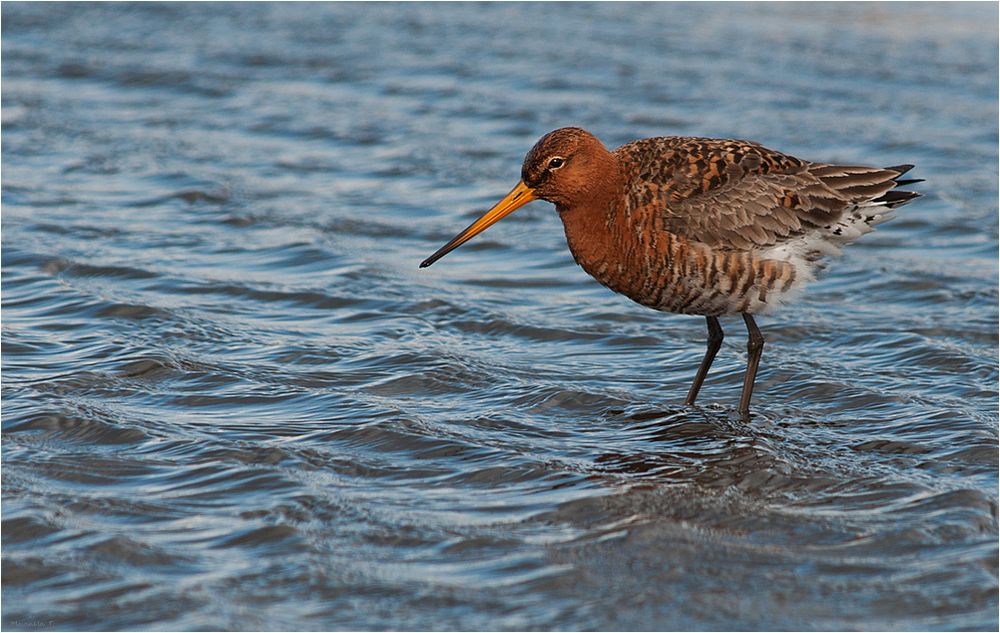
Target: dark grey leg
x,y
755,345
715,336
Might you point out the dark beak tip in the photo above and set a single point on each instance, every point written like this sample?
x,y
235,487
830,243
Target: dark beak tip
x,y
430,260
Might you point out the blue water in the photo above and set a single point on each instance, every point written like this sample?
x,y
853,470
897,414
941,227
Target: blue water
x,y
232,401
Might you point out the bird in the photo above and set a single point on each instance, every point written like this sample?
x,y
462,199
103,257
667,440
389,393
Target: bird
x,y
700,226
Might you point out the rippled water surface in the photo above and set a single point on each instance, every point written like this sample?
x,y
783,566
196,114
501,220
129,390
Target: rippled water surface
x,y
232,401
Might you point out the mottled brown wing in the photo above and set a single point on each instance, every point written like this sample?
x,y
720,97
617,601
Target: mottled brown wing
x,y
741,195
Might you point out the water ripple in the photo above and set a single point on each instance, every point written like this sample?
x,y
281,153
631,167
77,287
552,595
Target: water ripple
x,y
232,401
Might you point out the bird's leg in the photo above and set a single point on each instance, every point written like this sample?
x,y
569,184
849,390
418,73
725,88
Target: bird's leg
x,y
755,345
715,336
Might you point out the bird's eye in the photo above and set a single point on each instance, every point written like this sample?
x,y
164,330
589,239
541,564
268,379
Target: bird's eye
x,y
557,162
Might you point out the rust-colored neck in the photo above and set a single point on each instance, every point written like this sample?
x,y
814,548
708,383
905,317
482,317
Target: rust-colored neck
x,y
590,217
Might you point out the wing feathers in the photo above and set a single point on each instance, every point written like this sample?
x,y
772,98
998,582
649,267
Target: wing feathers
x,y
739,195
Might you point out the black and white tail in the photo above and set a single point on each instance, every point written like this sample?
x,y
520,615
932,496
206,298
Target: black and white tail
x,y
867,196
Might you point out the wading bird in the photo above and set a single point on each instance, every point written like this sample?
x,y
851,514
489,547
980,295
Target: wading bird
x,y
700,226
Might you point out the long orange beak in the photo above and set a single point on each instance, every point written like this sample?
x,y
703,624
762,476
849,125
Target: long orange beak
x,y
519,196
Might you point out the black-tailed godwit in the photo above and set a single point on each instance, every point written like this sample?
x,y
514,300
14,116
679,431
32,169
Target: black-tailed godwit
x,y
697,225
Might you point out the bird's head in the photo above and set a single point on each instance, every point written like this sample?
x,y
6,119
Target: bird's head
x,y
564,167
